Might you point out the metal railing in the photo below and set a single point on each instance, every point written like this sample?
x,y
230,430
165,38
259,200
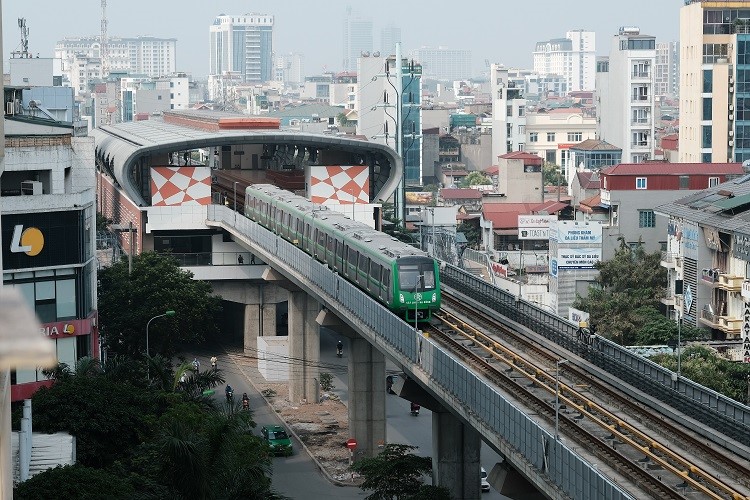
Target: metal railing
x,y
216,259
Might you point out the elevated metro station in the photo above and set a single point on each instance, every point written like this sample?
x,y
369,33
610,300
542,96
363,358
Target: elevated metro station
x,y
156,179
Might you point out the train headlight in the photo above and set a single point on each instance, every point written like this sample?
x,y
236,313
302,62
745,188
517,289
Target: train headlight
x,y
401,297
434,297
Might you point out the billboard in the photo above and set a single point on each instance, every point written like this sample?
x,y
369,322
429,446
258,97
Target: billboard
x,y
577,258
575,232
534,227
43,239
338,185
176,186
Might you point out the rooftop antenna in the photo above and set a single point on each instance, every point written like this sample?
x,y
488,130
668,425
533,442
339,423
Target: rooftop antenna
x,y
23,52
103,42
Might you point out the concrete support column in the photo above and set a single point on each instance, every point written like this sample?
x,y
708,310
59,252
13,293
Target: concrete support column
x,y
251,329
366,397
455,456
304,347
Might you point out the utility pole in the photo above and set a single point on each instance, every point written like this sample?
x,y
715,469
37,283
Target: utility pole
x,y
400,204
103,42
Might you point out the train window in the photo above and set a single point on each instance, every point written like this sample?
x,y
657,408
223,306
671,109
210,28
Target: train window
x,y
351,260
300,227
339,249
364,265
386,283
322,239
315,236
429,278
331,244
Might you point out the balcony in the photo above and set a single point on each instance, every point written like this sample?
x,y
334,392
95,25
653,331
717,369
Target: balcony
x,y
641,123
670,260
710,319
640,74
670,299
731,326
640,99
730,283
710,277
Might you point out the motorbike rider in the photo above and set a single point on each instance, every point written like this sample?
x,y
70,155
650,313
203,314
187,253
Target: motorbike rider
x,y
339,348
245,400
414,408
229,392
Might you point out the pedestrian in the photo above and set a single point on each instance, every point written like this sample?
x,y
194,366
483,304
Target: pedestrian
x,y
241,259
183,380
196,364
252,259
213,362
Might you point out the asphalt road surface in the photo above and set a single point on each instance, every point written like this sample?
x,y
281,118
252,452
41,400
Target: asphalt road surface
x,y
297,476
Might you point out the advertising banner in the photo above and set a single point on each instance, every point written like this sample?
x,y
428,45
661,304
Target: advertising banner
x,y
42,239
534,227
578,258
578,232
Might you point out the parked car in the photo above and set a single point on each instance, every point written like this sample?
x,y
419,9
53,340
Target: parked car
x,y
277,439
483,478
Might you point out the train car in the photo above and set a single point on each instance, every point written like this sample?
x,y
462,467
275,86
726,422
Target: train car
x,y
402,277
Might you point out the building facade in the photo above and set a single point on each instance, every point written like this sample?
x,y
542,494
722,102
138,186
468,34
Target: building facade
x,y
550,134
444,64
572,57
146,55
667,70
508,113
625,95
243,45
714,63
357,39
289,68
389,37
48,233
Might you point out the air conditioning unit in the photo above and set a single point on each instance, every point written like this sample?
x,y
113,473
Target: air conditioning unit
x,y
731,107
731,80
731,89
731,142
31,187
731,133
731,116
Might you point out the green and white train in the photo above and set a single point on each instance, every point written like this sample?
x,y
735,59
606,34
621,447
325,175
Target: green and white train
x,y
402,277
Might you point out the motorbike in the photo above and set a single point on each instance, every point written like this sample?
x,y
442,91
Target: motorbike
x,y
230,396
245,404
415,409
339,350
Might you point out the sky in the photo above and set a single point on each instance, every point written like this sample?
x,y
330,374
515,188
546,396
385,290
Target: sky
x,y
497,31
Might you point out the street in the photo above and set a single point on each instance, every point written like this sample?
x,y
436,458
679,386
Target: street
x,y
298,476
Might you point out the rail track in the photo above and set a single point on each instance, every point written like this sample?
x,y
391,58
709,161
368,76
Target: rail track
x,y
640,446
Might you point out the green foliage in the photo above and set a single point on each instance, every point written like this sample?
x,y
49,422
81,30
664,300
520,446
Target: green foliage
x,y
552,175
108,418
102,222
430,492
702,365
472,232
342,119
74,481
394,473
628,287
157,284
658,329
475,179
161,444
326,381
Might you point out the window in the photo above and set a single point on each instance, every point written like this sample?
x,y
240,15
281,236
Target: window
x,y
521,129
706,138
640,139
614,215
684,182
509,110
646,218
575,136
533,137
707,108
708,81
550,137
521,110
713,181
640,182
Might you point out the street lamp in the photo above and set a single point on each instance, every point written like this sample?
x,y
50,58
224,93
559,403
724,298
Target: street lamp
x,y
557,397
167,313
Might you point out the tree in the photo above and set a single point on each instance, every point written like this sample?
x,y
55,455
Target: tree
x,y
657,329
342,119
471,231
632,280
553,175
395,473
475,179
157,284
74,481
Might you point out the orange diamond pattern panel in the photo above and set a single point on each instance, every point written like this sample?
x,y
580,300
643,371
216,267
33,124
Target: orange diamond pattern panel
x,y
340,184
174,186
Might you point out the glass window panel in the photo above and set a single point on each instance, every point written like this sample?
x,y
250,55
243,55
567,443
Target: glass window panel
x,y
25,376
45,273
66,351
46,311
708,84
27,290
45,290
66,299
65,272
707,108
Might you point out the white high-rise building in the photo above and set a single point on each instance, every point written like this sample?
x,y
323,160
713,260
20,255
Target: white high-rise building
x,y
242,45
667,70
572,57
508,113
289,68
357,39
444,64
625,95
145,55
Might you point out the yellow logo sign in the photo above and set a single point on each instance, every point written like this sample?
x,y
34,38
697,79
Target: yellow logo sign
x,y
29,241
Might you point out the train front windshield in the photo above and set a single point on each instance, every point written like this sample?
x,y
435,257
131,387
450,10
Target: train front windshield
x,y
417,277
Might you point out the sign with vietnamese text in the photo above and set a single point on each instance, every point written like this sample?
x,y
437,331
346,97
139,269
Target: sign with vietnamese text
x,y
746,334
578,258
534,227
577,232
741,246
689,240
